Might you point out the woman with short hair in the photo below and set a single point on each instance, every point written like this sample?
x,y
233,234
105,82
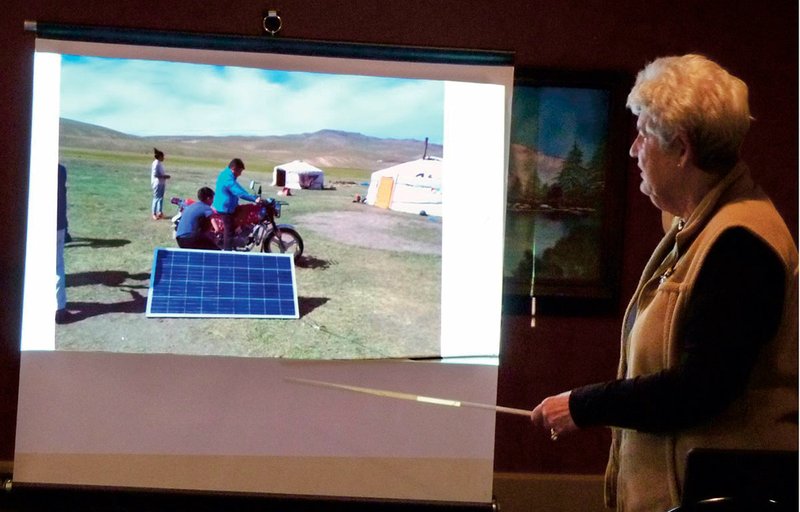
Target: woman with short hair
x,y
709,338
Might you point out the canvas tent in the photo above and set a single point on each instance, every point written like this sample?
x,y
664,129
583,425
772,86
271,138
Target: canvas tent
x,y
412,187
298,174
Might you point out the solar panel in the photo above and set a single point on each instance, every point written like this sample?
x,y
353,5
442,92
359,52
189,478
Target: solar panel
x,y
197,283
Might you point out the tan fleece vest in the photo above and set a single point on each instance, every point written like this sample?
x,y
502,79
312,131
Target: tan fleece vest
x,y
645,471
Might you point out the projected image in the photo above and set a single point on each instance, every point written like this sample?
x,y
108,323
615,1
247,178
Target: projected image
x,y
391,268
351,166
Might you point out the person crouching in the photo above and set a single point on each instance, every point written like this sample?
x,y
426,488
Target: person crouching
x,y
194,225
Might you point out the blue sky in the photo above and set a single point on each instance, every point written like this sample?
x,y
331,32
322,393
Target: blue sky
x,y
552,119
141,97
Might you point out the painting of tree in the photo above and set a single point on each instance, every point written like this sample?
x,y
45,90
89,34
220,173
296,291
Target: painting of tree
x,y
559,184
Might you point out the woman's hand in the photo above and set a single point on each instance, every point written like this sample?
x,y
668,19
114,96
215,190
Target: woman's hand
x,y
553,415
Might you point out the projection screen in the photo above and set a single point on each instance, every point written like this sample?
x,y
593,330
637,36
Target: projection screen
x,y
147,415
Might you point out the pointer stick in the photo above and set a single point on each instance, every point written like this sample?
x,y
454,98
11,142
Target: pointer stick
x,y
415,398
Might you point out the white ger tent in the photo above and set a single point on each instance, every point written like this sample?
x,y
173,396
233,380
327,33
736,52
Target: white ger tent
x,y
412,187
298,174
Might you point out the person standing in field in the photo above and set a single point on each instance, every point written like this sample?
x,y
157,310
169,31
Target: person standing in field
x,y
158,181
63,316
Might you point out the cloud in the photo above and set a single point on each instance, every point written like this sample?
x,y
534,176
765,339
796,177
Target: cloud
x,y
161,98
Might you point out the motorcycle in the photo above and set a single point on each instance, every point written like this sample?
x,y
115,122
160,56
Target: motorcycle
x,y
254,227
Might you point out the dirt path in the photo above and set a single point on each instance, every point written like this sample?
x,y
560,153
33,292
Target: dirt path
x,y
377,229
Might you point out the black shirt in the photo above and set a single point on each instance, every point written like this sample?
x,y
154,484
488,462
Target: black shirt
x,y
735,308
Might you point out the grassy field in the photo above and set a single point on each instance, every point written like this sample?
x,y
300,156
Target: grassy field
x,y
359,296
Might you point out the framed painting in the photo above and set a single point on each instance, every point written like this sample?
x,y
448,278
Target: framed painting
x,y
566,189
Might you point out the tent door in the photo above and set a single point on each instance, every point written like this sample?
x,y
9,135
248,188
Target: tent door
x,y
280,178
384,196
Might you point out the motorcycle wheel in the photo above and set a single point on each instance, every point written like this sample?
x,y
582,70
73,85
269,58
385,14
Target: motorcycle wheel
x,y
289,242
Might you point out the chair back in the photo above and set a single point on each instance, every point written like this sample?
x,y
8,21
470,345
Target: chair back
x,y
740,481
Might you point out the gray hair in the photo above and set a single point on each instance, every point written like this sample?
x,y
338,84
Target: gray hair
x,y
697,96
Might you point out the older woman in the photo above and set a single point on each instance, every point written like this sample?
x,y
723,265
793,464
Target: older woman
x,y
709,339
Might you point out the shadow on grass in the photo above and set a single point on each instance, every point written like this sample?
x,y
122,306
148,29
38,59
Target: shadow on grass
x,y
97,243
83,310
107,278
308,304
312,262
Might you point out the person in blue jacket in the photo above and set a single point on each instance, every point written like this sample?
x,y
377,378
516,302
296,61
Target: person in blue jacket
x,y
228,193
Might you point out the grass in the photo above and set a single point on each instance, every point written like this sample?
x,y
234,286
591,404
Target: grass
x,y
356,300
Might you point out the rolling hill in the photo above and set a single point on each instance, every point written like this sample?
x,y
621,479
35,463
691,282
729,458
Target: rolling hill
x,y
525,160
324,148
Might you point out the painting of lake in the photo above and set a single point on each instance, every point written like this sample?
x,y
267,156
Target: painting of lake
x,y
556,188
